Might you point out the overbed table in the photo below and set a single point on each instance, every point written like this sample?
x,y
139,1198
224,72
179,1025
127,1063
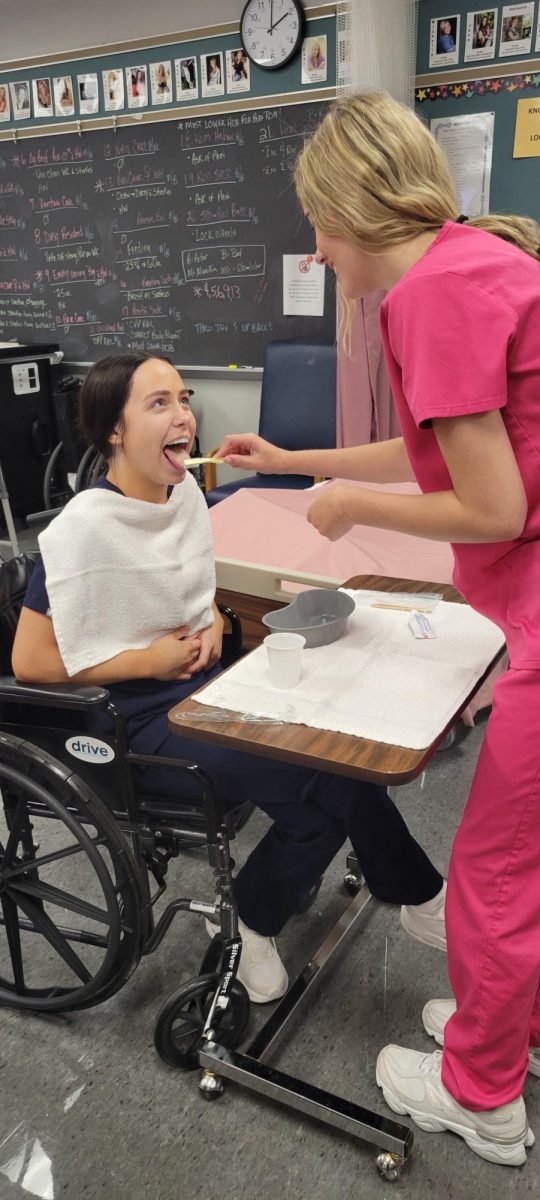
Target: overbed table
x,y
360,759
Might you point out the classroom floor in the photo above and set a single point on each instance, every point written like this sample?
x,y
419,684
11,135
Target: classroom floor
x,y
88,1110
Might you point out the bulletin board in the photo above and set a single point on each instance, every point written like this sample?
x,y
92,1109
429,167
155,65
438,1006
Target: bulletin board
x,y
482,85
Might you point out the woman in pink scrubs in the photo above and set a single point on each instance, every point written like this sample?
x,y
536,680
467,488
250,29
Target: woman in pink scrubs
x,y
461,333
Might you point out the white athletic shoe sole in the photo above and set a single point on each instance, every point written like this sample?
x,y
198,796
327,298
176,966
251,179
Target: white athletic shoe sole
x,y
509,1155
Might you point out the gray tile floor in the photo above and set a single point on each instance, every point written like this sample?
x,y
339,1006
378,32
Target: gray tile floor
x,y
88,1110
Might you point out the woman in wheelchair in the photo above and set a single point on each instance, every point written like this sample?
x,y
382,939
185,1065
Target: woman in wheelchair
x,y
123,596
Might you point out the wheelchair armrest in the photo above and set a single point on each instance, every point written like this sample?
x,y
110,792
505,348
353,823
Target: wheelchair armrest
x,y
52,695
235,624
42,518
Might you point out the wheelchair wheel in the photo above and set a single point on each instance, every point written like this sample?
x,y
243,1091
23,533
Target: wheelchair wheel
x,y
56,489
181,1020
66,873
91,467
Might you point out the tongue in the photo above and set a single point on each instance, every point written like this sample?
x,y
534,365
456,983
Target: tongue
x,y
173,456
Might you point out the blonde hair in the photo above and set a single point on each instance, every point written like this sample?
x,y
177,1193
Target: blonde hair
x,y
374,174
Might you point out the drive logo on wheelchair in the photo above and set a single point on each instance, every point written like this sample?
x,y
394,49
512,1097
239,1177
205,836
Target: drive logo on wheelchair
x,y
90,749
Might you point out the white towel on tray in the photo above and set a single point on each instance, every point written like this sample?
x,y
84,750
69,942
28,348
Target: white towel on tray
x,y
377,681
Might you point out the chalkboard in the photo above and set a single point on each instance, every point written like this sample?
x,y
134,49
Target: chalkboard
x,y
166,237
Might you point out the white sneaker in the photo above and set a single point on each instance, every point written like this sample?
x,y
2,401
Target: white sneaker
x,y
436,1013
425,927
261,970
411,1083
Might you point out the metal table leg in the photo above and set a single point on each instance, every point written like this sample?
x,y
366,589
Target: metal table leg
x,y
249,1069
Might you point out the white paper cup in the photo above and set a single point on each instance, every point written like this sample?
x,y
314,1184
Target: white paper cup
x,y
284,658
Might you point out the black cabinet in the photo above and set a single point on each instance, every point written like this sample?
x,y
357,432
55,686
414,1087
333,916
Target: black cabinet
x,y
26,423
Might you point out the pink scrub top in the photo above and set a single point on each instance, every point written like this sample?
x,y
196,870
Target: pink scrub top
x,y
461,334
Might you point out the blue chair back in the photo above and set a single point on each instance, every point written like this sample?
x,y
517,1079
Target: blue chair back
x,y
298,408
298,398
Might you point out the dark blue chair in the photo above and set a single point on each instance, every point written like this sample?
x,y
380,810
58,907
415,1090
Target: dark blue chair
x,y
298,409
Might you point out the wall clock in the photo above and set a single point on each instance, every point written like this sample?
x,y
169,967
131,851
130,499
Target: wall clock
x,y
271,32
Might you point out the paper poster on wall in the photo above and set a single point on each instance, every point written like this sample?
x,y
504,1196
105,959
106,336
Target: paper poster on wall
x,y
42,97
137,86
468,144
113,89
303,286
64,101
212,81
161,82
237,63
20,98
5,107
88,93
314,57
516,29
187,79
527,134
444,41
481,34
537,43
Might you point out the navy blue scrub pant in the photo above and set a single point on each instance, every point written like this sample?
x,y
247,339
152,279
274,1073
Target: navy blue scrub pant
x,y
313,814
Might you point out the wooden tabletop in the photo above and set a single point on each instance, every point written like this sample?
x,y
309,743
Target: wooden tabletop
x,y
319,749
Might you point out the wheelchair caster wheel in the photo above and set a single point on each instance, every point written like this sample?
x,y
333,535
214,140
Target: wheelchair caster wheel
x,y
352,883
210,1085
181,1020
389,1165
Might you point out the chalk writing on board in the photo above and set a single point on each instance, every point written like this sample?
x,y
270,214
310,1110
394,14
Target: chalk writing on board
x,y
170,241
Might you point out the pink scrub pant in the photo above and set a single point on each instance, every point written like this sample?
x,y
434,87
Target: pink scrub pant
x,y
493,907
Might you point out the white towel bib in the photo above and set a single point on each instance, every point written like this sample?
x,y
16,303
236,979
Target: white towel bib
x,y
122,572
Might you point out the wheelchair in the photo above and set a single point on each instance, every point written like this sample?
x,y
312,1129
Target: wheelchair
x,y
71,467
84,852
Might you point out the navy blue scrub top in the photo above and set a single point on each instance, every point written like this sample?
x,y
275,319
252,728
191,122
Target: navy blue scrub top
x,y
144,703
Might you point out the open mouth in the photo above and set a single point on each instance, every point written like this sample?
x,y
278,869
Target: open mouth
x,y
175,452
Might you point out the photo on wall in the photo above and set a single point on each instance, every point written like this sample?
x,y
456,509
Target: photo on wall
x,y
113,89
314,57
87,87
516,29
5,106
20,99
137,87
444,41
161,82
212,74
187,79
42,97
64,101
238,78
481,35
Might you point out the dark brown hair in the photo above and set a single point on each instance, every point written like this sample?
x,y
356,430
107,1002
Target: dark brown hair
x,y
104,395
